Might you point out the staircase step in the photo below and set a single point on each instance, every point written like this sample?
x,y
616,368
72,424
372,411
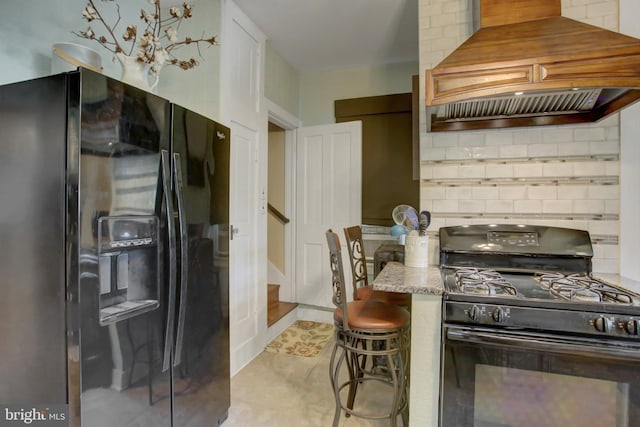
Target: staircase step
x,y
278,311
273,295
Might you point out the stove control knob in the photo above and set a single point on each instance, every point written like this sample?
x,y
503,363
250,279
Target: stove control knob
x,y
498,315
602,324
474,313
631,327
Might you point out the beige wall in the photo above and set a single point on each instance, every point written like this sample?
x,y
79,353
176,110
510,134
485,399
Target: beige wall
x,y
564,176
318,91
281,82
276,192
25,53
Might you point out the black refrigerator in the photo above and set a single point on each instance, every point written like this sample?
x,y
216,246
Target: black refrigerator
x,y
114,268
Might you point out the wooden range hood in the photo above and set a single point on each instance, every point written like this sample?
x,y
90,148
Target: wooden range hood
x,y
529,66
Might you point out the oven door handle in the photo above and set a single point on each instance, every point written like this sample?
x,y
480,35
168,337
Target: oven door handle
x,y
613,348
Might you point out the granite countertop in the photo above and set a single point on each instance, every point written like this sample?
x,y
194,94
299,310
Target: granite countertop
x,y
396,277
617,280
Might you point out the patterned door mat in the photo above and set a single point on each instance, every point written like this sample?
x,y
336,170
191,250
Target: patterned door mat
x,y
303,338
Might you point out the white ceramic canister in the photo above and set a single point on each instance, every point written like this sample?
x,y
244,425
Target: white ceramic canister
x,y
416,251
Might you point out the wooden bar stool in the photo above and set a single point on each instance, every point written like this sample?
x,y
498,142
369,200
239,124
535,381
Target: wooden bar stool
x,y
367,329
361,287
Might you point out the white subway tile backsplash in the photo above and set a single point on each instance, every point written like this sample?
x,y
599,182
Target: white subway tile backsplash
x,y
557,206
433,153
472,139
573,192
531,169
555,134
457,193
499,206
433,192
542,192
543,150
557,169
601,9
604,228
472,206
612,168
499,138
527,136
610,22
605,147
512,192
610,251
471,171
574,149
589,133
514,151
485,193
445,139
612,207
527,206
500,171
603,192
575,12
588,206
610,121
605,266
446,206
454,153
612,133
486,152
426,172
444,43
595,168
444,171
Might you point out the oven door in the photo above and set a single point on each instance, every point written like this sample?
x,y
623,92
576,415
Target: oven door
x,y
499,378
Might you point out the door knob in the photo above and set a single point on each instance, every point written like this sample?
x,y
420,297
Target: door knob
x,y
233,230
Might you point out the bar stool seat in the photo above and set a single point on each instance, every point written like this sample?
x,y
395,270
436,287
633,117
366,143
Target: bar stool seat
x,y
365,330
373,315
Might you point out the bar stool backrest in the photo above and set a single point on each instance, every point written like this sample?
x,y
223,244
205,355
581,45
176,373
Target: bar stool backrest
x,y
357,258
339,297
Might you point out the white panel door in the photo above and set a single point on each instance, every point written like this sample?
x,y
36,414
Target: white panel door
x,y
243,298
242,68
328,195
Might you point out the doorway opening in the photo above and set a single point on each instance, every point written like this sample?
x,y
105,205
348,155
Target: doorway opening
x,y
279,292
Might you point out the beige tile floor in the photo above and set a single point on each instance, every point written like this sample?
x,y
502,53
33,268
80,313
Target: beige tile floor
x,y
278,390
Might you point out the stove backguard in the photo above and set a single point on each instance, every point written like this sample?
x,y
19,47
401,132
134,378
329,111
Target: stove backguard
x,y
524,248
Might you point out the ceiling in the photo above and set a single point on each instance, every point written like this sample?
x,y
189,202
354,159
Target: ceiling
x,y
325,35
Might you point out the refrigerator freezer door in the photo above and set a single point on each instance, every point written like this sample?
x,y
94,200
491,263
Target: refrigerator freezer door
x,y
201,377
120,215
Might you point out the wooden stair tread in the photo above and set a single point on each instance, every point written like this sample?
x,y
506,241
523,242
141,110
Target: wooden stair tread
x,y
277,311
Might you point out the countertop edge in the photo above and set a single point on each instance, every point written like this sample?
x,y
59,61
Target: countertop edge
x,y
396,277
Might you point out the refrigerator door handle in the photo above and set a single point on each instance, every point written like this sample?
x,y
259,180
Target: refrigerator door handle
x,y
166,184
184,258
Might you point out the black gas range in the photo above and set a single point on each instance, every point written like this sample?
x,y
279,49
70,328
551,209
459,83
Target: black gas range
x,y
530,337
531,277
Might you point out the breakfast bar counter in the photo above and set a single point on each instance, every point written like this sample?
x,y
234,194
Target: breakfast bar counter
x,y
425,285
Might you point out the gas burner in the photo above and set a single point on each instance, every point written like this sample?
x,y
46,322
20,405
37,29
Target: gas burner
x,y
482,282
580,287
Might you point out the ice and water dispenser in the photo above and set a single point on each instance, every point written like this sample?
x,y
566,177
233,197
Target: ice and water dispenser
x,y
129,275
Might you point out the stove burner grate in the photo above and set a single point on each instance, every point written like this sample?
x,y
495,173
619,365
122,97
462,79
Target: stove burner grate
x,y
580,287
483,282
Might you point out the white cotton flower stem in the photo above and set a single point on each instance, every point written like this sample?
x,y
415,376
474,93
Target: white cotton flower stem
x,y
109,29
